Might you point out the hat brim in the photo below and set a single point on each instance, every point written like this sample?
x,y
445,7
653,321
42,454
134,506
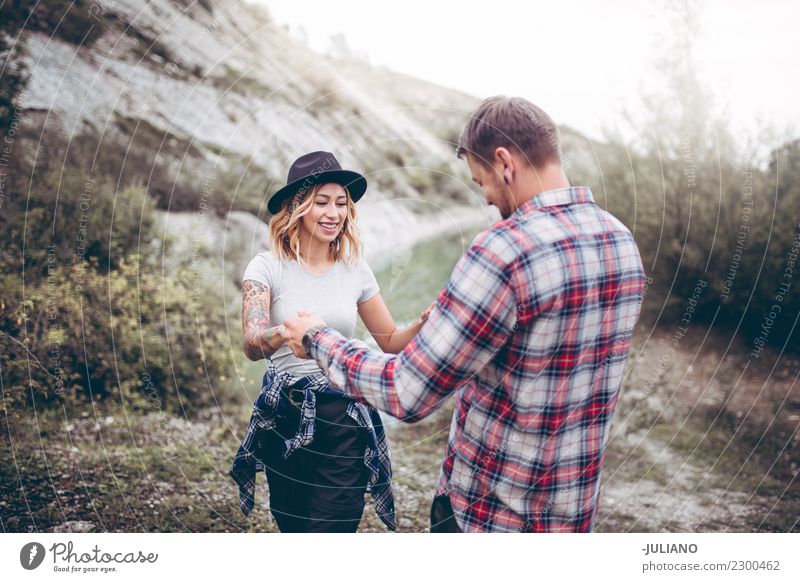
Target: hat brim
x,y
355,183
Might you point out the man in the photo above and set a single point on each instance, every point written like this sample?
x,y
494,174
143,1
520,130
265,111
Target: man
x,y
533,331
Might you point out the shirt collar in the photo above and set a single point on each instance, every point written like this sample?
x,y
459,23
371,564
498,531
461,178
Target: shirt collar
x,y
557,197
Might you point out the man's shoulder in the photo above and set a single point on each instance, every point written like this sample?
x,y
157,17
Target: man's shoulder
x,y
538,232
611,222
509,240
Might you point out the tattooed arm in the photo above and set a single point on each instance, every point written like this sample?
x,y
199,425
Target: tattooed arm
x,y
260,340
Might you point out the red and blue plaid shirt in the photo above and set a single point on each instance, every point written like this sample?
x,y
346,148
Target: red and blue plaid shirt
x,y
532,331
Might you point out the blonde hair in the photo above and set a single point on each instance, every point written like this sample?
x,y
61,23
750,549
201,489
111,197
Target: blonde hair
x,y
284,229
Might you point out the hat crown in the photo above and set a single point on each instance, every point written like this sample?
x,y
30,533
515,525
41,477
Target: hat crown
x,y
316,168
312,164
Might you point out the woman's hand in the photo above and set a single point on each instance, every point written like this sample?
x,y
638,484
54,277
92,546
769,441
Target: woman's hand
x,y
296,327
427,312
276,336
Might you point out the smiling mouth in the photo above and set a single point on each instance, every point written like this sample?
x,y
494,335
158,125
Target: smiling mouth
x,y
329,227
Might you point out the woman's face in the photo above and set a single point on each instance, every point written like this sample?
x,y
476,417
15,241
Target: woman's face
x,y
325,219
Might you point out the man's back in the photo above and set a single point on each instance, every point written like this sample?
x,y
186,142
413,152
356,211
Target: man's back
x,y
532,331
530,427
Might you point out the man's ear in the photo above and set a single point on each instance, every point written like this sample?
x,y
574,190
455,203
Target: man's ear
x,y
503,157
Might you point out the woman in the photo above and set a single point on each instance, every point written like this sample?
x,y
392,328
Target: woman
x,y
311,440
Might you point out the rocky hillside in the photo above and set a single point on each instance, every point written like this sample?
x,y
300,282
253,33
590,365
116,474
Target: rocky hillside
x,y
207,103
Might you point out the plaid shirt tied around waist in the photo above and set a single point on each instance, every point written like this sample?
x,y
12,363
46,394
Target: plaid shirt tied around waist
x,y
273,401
532,333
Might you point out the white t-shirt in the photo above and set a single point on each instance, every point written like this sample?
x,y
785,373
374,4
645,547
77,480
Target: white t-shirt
x,y
334,295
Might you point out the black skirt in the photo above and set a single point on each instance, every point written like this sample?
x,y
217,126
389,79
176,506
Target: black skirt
x,y
321,487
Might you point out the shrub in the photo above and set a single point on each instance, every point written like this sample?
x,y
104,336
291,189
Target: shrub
x,y
131,334
77,22
86,311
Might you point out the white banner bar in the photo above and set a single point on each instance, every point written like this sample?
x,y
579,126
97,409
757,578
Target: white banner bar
x,y
228,557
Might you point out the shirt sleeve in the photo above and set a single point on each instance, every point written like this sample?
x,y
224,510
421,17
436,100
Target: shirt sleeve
x,y
369,286
473,317
260,269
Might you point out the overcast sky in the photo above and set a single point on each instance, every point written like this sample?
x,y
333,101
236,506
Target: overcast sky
x,y
581,61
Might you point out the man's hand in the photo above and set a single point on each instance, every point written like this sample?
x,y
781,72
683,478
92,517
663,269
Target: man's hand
x,y
296,327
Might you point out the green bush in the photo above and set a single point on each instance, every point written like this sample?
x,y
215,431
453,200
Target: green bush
x,y
79,217
77,22
87,310
131,334
12,82
708,214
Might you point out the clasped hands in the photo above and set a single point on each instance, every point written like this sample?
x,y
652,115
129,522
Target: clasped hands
x,y
296,327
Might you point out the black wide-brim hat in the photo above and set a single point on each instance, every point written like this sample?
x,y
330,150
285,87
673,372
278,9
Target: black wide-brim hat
x,y
317,168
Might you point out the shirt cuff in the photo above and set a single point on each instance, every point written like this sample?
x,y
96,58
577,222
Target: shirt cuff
x,y
322,343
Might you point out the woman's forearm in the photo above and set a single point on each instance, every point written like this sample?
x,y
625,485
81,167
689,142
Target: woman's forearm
x,y
260,339
400,338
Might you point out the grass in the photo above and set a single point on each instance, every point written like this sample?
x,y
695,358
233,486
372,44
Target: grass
x,y
120,477
726,471
150,137
727,456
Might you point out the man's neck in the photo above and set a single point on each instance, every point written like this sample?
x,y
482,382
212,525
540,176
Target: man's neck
x,y
534,181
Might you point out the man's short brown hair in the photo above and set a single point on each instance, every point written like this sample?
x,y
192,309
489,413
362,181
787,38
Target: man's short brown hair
x,y
514,123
